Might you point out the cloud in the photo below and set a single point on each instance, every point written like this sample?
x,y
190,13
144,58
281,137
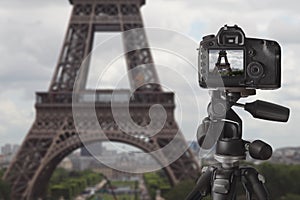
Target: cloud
x,y
16,116
30,43
31,4
285,29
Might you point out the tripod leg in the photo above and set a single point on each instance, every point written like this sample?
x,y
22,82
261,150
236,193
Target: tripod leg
x,y
255,185
247,187
224,184
203,185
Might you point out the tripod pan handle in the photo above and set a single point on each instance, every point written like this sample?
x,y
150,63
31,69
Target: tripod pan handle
x,y
268,111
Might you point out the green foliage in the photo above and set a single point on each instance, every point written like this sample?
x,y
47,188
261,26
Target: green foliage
x,y
123,183
281,179
180,191
59,175
69,184
62,190
291,197
4,190
156,181
2,171
110,197
4,187
104,195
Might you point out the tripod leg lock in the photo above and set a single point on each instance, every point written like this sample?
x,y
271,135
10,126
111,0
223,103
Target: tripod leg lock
x,y
222,181
221,186
261,178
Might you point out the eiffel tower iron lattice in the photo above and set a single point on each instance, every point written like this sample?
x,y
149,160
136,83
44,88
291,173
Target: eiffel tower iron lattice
x,y
53,134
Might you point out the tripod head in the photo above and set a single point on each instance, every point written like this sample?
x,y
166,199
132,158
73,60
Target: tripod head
x,y
223,126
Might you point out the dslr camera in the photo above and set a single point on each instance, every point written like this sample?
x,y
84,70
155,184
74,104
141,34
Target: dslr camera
x,y
230,60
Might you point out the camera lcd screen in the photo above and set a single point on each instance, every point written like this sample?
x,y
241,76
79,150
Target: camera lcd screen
x,y
226,62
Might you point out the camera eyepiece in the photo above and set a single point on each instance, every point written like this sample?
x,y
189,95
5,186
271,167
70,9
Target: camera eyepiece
x,y
231,35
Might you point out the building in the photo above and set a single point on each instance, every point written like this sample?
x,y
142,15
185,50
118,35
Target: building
x,y
66,163
6,149
287,155
93,149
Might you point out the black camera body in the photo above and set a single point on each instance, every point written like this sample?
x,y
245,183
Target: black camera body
x,y
230,60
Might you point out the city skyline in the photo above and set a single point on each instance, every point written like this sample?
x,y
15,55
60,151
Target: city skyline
x,y
33,37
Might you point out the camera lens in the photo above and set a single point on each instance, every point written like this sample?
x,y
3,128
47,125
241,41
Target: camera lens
x,y
255,70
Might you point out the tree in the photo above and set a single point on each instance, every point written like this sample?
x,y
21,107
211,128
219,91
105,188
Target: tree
x,y
281,180
4,187
4,190
180,191
291,197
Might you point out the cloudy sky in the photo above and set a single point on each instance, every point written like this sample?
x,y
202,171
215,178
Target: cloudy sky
x,y
32,33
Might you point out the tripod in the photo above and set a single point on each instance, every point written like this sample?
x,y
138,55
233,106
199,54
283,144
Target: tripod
x,y
224,127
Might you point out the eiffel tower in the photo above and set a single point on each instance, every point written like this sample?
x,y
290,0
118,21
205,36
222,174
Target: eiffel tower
x,y
53,134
